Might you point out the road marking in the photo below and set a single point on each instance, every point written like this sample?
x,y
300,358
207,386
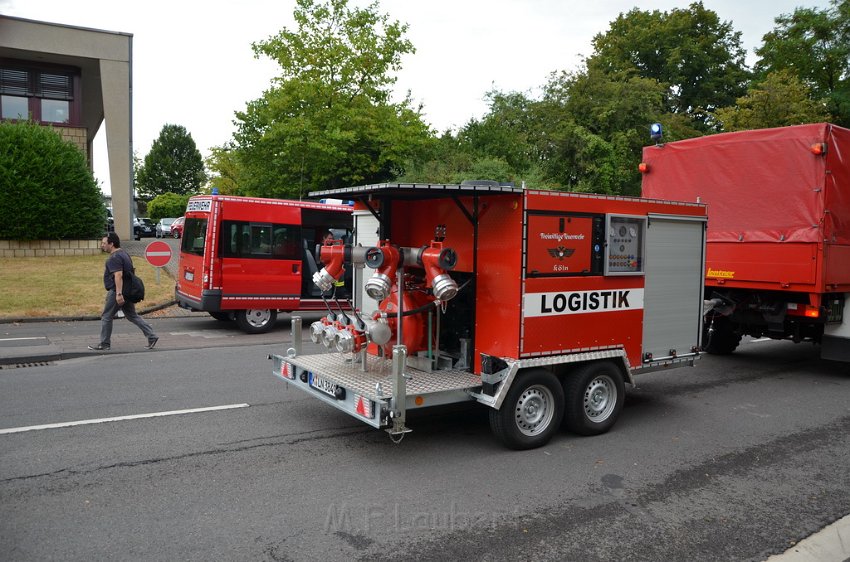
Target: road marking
x,y
21,339
120,418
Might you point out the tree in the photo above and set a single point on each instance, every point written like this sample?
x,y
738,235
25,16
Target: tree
x,y
46,188
506,132
594,125
173,165
327,121
225,170
780,100
814,45
698,58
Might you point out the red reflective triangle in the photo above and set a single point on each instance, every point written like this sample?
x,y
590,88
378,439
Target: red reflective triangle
x,y
360,409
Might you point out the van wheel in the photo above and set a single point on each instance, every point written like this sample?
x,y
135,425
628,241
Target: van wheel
x,y
532,411
256,320
595,393
223,316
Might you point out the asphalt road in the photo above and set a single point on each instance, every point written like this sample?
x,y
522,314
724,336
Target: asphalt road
x,y
735,459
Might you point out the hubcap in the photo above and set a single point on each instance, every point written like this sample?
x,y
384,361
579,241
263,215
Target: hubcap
x,y
534,410
258,317
600,397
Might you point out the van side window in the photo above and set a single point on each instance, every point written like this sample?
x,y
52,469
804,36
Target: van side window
x,y
240,239
285,242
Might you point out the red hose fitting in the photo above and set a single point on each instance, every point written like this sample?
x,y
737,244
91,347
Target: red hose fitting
x,y
384,259
436,260
333,257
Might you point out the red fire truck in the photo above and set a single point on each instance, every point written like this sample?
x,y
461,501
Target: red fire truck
x,y
247,258
539,305
778,250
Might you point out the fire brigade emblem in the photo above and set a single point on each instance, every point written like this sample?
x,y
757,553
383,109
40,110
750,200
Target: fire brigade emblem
x,y
561,252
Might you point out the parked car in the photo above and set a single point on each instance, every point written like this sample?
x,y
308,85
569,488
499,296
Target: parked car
x,y
177,227
144,228
163,227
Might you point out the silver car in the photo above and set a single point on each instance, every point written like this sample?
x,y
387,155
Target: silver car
x,y
163,227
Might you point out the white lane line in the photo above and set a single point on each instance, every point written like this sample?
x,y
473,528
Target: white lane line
x,y
22,339
120,418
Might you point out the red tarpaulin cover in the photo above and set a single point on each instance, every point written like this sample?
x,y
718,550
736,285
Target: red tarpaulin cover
x,y
764,185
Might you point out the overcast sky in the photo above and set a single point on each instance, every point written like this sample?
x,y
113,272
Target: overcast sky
x,y
193,65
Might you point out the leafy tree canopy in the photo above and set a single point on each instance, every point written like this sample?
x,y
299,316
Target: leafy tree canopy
x,y
46,188
327,121
814,45
780,100
173,165
697,57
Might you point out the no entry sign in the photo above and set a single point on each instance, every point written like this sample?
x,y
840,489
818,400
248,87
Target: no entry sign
x,y
158,253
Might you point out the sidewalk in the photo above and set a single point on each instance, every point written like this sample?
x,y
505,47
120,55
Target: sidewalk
x,y
53,339
42,340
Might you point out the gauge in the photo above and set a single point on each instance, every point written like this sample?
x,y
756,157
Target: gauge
x,y
622,231
632,231
612,232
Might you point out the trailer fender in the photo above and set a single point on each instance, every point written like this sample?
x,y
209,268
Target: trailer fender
x,y
502,380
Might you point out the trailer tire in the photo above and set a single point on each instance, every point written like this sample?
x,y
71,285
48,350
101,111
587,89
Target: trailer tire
x,y
222,316
722,340
256,320
531,412
595,393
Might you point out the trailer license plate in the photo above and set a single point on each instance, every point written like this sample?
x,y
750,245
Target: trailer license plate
x,y
322,385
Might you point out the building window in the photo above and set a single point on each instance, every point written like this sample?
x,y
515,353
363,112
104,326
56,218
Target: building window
x,y
55,111
44,94
14,107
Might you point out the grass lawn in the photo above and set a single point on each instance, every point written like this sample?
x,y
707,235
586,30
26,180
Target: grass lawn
x,y
68,286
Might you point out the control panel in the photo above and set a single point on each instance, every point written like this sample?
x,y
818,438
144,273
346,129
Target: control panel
x,y
624,248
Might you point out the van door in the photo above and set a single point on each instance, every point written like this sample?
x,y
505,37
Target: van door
x,y
260,265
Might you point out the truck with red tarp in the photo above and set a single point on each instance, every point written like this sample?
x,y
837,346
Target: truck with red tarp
x,y
778,240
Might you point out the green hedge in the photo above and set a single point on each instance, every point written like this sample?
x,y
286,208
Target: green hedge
x,y
46,188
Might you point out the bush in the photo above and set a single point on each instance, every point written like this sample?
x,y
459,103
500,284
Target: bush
x,y
168,205
46,188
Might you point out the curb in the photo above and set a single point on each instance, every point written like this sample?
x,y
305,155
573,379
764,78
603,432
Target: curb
x,y
34,319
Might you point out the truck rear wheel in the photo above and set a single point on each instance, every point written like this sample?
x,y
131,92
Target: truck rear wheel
x,y
532,411
719,337
256,320
595,393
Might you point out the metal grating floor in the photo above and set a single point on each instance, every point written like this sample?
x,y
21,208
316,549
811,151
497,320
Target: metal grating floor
x,y
335,368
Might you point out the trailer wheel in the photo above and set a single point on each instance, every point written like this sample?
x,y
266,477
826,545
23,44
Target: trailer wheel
x,y
223,316
532,411
595,393
256,320
719,337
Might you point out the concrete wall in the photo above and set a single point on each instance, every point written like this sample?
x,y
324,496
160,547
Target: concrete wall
x,y
44,248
